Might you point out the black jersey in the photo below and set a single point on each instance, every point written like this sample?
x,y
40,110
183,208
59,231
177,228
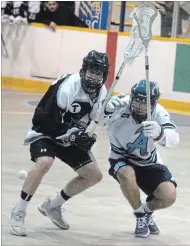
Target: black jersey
x,y
65,105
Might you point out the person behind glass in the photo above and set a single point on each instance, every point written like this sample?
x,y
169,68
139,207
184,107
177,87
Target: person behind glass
x,y
50,13
6,11
60,14
166,9
34,11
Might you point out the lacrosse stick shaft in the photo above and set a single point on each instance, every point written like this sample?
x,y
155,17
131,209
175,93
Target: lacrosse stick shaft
x,y
4,45
133,50
11,29
94,124
147,85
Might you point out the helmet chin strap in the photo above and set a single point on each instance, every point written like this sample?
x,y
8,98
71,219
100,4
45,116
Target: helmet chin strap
x,y
92,95
90,88
137,118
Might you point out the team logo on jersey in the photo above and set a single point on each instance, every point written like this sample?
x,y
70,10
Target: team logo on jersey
x,y
75,108
140,143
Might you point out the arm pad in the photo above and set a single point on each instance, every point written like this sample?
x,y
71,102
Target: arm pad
x,y
169,139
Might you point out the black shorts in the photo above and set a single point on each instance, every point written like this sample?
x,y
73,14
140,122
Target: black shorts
x,y
148,177
72,155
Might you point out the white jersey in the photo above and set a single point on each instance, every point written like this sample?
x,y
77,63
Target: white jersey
x,y
72,98
128,141
70,104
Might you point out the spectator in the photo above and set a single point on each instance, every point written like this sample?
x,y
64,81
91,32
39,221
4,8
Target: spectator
x,y
6,11
34,11
14,12
6,8
70,5
166,11
186,31
60,14
19,12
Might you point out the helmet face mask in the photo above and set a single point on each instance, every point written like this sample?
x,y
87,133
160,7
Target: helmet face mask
x,y
139,108
94,71
93,80
138,100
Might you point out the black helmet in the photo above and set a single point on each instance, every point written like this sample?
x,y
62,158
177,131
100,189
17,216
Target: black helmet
x,y
138,99
94,71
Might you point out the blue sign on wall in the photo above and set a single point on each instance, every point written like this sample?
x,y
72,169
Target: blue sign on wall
x,y
95,14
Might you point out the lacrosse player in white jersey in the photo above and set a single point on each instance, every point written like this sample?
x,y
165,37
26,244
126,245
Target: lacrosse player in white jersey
x,y
58,130
134,159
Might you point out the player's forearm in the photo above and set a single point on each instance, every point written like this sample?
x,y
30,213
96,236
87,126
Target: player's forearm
x,y
169,139
103,119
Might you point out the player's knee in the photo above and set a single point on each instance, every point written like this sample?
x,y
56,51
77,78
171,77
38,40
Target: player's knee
x,y
95,177
43,164
98,177
126,174
167,193
91,173
171,197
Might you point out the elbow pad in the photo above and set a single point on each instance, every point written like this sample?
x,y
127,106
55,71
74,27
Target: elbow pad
x,y
169,139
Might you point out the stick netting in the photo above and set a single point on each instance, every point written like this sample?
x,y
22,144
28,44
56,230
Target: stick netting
x,y
145,15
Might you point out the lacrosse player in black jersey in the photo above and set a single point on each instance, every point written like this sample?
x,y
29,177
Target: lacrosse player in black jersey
x,y
58,130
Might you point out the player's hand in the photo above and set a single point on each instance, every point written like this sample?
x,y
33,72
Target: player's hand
x,y
53,25
5,19
17,20
115,102
84,141
152,129
24,21
75,136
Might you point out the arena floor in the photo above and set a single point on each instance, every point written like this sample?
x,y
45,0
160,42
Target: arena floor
x,y
99,216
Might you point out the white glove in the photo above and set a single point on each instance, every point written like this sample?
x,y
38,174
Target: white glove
x,y
115,102
11,19
5,19
151,129
17,20
24,21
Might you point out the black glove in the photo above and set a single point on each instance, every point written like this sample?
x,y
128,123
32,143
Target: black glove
x,y
83,140
75,136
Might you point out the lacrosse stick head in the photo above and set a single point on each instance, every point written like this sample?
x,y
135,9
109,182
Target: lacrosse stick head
x,y
145,15
135,45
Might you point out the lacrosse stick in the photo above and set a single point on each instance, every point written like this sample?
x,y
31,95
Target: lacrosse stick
x,y
4,46
145,15
133,50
